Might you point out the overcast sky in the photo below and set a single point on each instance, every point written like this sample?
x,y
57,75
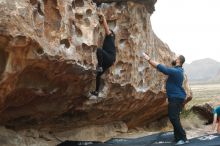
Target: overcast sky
x,y
189,27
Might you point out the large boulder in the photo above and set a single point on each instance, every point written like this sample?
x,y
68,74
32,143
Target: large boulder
x,y
205,111
48,59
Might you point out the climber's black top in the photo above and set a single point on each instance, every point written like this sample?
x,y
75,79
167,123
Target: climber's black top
x,y
109,45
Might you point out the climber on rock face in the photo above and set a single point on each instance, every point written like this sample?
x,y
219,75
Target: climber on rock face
x,y
106,55
176,94
216,119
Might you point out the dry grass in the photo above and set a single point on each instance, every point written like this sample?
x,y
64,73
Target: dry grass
x,y
190,120
206,93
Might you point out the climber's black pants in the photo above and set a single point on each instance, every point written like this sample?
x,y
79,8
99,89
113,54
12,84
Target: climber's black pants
x,y
174,109
105,60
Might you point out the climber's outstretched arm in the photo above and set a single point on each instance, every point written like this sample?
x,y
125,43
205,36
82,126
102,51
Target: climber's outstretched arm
x,y
105,24
107,30
214,122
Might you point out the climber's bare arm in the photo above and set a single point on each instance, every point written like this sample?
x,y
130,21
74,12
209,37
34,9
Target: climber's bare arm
x,y
214,122
153,63
107,30
105,24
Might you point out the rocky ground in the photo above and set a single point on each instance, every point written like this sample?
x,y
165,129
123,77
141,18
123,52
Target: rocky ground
x,y
192,123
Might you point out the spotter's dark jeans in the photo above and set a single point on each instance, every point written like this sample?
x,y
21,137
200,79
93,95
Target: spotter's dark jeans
x,y
174,109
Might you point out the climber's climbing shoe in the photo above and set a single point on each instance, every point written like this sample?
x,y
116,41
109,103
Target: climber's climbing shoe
x,y
99,69
93,95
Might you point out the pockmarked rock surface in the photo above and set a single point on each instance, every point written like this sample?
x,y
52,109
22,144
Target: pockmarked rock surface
x,y
48,60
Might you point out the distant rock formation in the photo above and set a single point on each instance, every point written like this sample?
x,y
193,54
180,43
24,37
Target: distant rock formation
x,y
203,71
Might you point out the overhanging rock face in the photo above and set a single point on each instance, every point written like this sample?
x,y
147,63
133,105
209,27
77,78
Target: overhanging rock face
x,y
48,59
